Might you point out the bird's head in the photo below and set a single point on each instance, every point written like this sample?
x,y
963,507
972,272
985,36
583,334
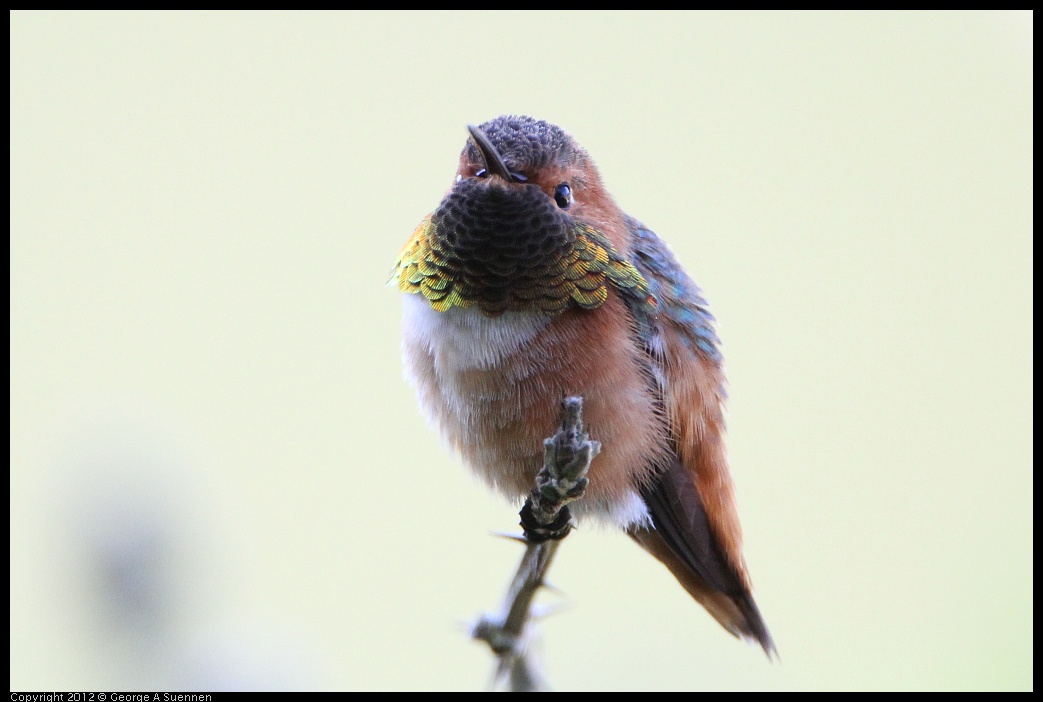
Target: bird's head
x,y
527,225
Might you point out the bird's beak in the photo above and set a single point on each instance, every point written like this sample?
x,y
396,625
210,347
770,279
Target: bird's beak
x,y
493,161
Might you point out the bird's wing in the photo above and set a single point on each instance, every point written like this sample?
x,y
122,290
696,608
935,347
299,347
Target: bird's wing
x,y
696,525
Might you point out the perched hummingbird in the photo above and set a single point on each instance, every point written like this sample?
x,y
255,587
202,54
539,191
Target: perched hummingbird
x,y
527,285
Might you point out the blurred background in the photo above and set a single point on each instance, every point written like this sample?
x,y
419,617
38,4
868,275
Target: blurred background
x,y
219,479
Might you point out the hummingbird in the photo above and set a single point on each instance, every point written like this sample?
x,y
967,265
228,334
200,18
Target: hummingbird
x,y
528,284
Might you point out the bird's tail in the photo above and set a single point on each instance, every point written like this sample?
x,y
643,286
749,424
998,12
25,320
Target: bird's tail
x,y
681,538
737,613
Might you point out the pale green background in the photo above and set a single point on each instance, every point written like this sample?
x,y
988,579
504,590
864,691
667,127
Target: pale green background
x,y
204,212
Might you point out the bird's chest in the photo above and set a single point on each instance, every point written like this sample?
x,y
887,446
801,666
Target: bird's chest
x,y
493,385
477,363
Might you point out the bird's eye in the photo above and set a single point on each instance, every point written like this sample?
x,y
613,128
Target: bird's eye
x,y
480,173
563,196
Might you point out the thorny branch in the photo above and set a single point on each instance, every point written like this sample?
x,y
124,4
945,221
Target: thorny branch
x,y
546,521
